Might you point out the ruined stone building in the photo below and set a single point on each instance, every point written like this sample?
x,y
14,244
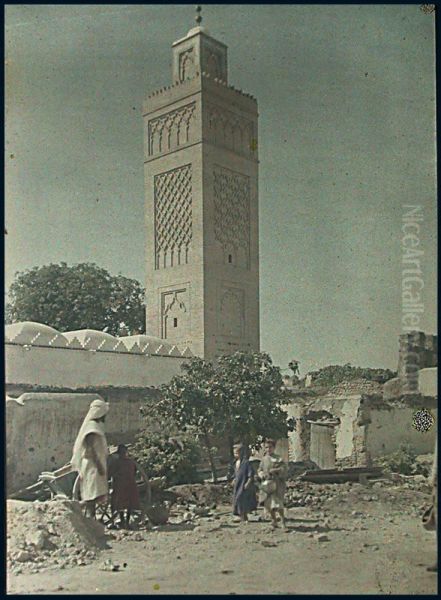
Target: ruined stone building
x,y
201,171
356,422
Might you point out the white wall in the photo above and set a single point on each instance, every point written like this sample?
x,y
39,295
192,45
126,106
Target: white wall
x,y
390,428
79,368
345,431
40,432
428,382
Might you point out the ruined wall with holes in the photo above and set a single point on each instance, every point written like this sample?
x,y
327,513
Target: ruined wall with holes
x,y
391,426
367,426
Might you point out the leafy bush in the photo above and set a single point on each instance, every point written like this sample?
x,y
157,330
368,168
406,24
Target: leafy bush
x,y
161,454
335,374
403,461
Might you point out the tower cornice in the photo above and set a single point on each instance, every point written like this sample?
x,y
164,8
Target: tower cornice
x,y
198,31
201,82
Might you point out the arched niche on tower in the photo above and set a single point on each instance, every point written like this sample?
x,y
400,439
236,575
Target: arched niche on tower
x,y
175,315
186,64
232,312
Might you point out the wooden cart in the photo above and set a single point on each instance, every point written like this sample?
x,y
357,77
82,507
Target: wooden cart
x,y
64,482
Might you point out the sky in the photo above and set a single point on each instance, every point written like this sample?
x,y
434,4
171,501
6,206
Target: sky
x,y
346,97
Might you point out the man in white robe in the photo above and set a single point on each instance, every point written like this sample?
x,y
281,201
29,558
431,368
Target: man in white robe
x,y
90,457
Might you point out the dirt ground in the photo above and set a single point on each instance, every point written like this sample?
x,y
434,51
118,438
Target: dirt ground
x,y
355,540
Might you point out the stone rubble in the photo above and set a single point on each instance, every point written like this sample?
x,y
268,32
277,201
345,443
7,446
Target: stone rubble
x,y
55,534
52,533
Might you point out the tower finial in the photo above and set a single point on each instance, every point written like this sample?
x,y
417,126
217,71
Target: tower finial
x,y
198,17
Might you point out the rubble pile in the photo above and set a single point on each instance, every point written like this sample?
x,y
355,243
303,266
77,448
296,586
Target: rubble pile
x,y
50,534
194,502
202,494
304,493
398,489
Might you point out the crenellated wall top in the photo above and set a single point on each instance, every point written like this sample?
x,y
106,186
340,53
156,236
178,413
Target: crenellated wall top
x,y
29,334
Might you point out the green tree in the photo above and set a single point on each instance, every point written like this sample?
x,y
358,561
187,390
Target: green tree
x,y
249,397
187,400
164,452
240,398
81,296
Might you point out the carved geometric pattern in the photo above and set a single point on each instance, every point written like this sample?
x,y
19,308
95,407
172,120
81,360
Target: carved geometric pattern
x,y
186,65
171,130
232,211
231,131
173,217
232,314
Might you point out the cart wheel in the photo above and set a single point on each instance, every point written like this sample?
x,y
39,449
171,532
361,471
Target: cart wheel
x,y
104,514
139,518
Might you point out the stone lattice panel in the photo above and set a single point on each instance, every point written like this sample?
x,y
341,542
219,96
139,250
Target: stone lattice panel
x,y
232,210
173,217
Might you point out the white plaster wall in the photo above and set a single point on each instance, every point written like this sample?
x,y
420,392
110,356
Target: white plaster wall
x,y
41,432
77,368
391,428
282,449
295,452
344,432
294,446
428,382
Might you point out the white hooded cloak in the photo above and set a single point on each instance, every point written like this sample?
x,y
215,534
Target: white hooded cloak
x,y
92,484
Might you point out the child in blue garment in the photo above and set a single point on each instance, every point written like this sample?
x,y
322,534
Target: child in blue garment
x,y
244,492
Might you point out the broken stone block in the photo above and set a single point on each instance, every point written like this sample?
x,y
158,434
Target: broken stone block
x,y
24,556
40,540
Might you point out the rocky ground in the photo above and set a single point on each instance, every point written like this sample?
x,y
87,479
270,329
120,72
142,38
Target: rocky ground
x,y
341,539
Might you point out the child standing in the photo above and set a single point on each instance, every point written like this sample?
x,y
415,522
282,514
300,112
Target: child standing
x,y
125,494
244,494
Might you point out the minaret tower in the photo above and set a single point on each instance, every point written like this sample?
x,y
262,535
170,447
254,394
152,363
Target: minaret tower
x,y
201,178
